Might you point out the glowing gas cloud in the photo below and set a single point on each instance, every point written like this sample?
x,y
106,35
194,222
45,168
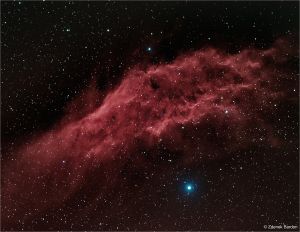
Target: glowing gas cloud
x,y
202,106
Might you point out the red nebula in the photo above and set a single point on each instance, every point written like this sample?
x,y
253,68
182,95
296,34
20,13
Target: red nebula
x,y
202,106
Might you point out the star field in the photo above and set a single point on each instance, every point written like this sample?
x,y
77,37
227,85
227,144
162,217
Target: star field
x,y
149,116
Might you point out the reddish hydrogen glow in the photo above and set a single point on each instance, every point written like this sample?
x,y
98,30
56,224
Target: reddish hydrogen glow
x,y
203,105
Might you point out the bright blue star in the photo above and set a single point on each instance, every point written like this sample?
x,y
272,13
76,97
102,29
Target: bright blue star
x,y
189,187
149,49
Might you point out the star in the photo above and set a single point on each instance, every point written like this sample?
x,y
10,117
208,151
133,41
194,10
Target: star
x,y
149,49
189,188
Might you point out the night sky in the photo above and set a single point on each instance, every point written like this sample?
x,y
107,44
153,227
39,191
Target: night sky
x,y
149,115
